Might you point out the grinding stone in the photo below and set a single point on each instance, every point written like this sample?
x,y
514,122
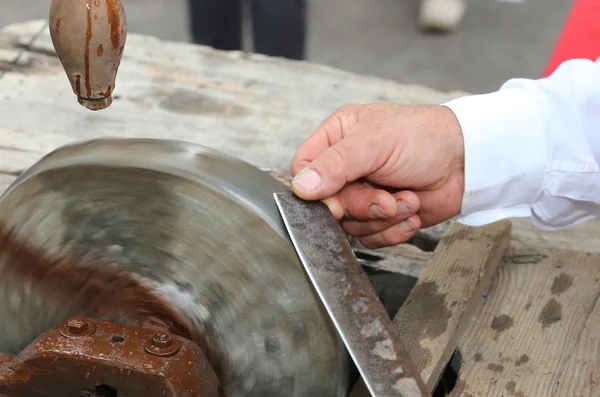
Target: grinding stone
x,y
165,231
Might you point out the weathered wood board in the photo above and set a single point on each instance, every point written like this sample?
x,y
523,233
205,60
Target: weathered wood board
x,y
448,292
583,237
432,319
256,108
537,333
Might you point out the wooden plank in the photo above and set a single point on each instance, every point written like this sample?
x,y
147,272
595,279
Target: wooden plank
x,y
12,54
583,237
536,335
6,179
449,290
405,258
257,108
583,361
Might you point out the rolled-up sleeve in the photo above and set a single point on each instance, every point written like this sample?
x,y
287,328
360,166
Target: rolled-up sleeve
x,y
532,149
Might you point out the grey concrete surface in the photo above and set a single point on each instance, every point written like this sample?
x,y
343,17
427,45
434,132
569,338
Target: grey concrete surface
x,y
497,40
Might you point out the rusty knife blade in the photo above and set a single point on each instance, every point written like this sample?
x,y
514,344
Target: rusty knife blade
x,y
349,298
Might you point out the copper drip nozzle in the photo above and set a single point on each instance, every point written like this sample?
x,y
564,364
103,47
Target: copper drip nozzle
x,y
89,37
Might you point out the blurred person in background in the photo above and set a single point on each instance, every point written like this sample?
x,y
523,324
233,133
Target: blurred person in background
x,y
279,26
441,15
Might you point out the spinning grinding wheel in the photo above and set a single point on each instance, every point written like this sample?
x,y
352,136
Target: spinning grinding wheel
x,y
166,234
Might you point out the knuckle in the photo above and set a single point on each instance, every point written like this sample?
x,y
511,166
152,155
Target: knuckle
x,y
355,213
358,213
354,207
346,116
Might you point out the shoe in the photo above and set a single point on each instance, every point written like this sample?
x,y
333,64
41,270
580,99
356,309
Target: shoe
x,y
441,15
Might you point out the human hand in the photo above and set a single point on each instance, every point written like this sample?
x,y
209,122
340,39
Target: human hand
x,y
384,170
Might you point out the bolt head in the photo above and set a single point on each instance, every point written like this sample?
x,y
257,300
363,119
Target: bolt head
x,y
77,325
162,344
162,341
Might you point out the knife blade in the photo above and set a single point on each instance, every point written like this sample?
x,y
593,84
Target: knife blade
x,y
349,298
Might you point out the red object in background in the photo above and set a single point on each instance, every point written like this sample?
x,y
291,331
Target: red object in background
x,y
580,37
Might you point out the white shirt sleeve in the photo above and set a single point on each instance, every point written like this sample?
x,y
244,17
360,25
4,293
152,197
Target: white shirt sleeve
x,y
532,149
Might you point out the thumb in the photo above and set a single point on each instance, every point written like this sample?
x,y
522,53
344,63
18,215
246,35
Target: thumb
x,y
348,160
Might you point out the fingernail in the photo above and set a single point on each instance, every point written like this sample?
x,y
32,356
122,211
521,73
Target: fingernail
x,y
307,180
407,227
376,211
403,209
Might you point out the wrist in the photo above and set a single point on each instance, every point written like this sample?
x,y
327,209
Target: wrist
x,y
453,135
504,153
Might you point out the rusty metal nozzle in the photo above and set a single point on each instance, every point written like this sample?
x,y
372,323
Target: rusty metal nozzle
x,y
89,38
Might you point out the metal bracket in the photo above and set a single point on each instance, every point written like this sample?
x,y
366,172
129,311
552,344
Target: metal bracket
x,y
96,358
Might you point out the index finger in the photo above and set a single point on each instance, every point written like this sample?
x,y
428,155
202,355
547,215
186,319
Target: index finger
x,y
330,132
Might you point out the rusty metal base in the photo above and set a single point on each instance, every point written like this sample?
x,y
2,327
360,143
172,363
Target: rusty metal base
x,y
95,358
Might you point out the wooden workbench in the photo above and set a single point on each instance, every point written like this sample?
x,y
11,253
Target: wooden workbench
x,y
535,331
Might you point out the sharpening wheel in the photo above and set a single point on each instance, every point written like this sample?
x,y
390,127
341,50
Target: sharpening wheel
x,y
141,231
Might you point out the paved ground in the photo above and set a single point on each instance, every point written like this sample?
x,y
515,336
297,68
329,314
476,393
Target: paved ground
x,y
497,40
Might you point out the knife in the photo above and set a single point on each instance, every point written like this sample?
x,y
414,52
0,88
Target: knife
x,y
349,298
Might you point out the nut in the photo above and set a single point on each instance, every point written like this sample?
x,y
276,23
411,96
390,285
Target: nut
x,y
162,344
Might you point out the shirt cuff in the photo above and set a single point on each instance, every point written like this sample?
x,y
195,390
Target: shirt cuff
x,y
505,154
